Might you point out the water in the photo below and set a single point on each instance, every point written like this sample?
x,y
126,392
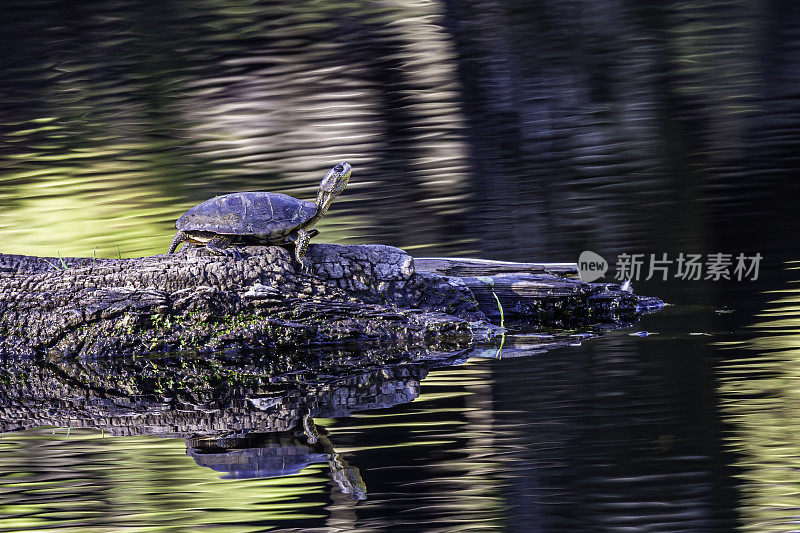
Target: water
x,y
524,131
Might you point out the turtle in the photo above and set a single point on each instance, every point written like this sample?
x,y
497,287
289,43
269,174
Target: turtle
x,y
260,218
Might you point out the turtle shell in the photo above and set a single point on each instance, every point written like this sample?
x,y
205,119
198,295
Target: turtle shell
x,y
266,214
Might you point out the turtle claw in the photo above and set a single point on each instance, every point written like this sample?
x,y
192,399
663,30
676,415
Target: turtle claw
x,y
219,252
306,267
218,245
225,252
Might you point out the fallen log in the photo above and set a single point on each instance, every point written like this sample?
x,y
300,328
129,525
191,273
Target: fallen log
x,y
461,267
549,294
362,293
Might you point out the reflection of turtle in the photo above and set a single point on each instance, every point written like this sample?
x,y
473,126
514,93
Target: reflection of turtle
x,y
259,455
260,217
346,476
265,455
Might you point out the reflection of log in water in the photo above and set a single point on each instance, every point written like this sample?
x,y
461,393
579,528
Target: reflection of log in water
x,y
238,419
224,405
190,397
181,396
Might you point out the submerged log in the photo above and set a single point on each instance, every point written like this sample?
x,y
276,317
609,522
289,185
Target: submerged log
x,y
362,293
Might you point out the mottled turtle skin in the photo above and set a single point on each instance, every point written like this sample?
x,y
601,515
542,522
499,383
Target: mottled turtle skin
x,y
260,218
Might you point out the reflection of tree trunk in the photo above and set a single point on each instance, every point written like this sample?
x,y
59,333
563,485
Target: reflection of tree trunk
x,y
207,398
613,434
483,452
563,105
771,157
419,162
490,97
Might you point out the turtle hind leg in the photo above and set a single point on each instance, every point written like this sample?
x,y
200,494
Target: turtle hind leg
x,y
300,249
176,241
218,245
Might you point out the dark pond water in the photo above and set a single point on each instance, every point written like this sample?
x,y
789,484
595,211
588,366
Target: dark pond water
x,y
514,130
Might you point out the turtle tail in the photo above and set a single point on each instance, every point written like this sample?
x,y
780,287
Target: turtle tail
x,y
176,240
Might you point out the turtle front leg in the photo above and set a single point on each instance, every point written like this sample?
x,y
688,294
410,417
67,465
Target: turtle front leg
x,y
300,249
218,245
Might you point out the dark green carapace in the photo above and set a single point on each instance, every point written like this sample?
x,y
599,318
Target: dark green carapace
x,y
260,218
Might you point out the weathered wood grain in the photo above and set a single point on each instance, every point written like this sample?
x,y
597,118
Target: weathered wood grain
x,y
546,292
367,293
460,267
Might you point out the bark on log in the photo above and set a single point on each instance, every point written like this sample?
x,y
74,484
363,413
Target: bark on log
x,y
464,267
193,301
550,294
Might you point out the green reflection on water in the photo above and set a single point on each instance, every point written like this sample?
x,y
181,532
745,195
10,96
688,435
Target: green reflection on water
x,y
109,203
760,400
82,481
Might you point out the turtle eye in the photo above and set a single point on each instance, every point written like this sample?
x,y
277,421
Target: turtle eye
x,y
338,168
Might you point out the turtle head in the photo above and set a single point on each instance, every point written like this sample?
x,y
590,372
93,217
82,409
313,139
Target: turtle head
x,y
332,186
